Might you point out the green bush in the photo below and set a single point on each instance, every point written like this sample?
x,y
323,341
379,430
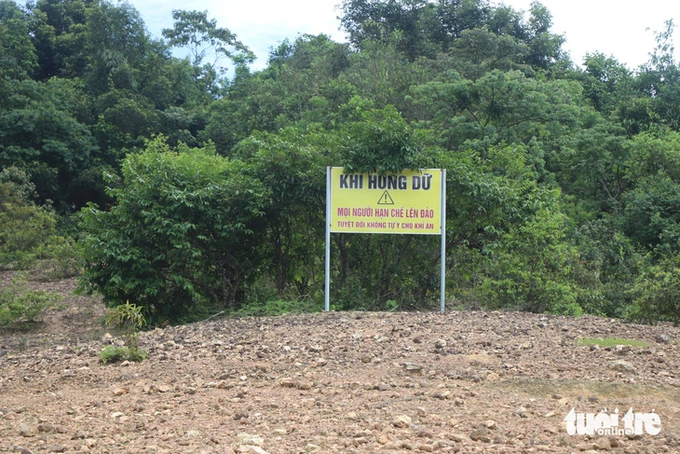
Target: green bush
x,y
24,226
656,293
534,270
58,258
181,240
20,306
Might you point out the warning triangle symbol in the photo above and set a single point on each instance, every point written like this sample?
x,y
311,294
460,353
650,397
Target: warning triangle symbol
x,y
385,199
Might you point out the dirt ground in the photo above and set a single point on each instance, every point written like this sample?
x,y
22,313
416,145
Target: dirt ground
x,y
468,382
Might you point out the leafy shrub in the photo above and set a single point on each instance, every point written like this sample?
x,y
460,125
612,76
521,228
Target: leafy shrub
x,y
58,258
534,269
181,239
656,293
20,306
24,226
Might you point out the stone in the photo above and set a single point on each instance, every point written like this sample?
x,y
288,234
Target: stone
x,y
28,430
663,339
57,448
287,383
622,366
490,424
413,367
46,428
304,385
255,450
622,349
493,376
250,440
458,438
480,435
241,414
603,443
402,421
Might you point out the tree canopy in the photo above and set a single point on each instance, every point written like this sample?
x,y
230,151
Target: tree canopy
x,y
200,189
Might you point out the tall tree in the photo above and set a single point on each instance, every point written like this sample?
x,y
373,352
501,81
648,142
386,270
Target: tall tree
x,y
18,58
205,40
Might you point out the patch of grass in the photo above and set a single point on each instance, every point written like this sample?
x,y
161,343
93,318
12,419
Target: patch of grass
x,y
128,317
113,354
612,342
279,307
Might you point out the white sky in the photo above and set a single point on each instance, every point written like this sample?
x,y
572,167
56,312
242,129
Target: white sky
x,y
612,27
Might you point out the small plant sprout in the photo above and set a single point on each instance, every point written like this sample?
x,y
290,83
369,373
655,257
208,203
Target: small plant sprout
x,y
130,319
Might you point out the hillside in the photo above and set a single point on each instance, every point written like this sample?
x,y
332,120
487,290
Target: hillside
x,y
335,382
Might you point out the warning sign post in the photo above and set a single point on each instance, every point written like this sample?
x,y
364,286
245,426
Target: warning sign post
x,y
411,202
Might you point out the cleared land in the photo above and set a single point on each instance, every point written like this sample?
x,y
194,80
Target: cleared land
x,y
339,382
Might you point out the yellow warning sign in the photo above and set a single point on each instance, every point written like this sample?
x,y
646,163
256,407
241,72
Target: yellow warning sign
x,y
408,202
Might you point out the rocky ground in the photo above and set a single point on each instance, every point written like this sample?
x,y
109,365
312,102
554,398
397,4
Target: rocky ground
x,y
488,382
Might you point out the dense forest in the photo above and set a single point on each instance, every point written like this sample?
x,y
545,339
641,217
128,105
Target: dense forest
x,y
186,188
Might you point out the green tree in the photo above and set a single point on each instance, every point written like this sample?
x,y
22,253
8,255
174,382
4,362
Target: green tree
x,y
18,58
204,39
381,142
499,107
40,132
291,168
606,83
590,165
60,37
533,269
651,214
118,48
183,237
302,83
656,291
659,80
479,51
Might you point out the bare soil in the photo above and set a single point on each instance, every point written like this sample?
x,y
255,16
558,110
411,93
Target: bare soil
x,y
486,382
